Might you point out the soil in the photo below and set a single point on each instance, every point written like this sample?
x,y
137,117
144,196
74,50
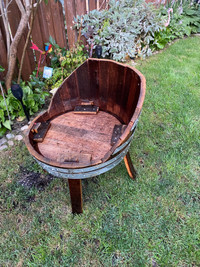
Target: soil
x,y
34,179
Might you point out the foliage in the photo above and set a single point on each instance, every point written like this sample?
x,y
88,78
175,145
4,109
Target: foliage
x,y
125,30
33,98
1,69
184,21
64,62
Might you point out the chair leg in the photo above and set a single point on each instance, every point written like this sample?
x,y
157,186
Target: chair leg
x,y
75,188
129,166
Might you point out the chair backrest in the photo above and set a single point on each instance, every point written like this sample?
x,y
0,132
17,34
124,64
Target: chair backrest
x,y
114,87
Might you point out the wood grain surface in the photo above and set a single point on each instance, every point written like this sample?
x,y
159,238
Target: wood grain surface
x,y
75,136
116,88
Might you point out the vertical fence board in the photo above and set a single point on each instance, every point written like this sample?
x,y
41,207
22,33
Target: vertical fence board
x,y
80,7
3,56
70,12
43,22
37,37
49,20
3,34
80,10
92,4
59,25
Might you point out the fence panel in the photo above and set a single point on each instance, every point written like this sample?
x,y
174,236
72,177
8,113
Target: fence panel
x,y
49,21
92,4
70,12
58,22
3,55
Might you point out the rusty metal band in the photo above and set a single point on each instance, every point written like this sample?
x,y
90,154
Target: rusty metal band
x,y
88,169
84,172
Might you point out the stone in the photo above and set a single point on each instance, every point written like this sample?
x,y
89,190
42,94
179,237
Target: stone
x,y
3,141
25,127
3,147
11,143
18,137
10,136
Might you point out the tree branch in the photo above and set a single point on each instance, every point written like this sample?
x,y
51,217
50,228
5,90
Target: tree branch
x,y
20,6
33,13
5,22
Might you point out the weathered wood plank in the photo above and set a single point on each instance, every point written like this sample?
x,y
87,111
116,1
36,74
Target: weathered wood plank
x,y
84,82
93,67
58,21
37,38
92,4
103,84
83,134
49,20
3,56
70,13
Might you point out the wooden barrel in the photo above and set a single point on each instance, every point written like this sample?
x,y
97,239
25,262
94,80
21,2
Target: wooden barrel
x,y
90,122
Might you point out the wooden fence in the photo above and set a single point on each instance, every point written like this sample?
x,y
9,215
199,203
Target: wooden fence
x,y
52,19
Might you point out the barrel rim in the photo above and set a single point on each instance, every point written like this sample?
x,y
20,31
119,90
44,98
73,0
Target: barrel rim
x,y
121,140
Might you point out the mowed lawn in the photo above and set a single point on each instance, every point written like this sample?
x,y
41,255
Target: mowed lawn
x,y
152,221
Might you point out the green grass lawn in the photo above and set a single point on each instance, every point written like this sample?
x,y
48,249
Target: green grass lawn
x,y
152,221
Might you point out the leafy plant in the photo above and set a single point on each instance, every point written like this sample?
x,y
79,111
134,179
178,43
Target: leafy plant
x,y
184,21
64,62
34,98
1,69
126,29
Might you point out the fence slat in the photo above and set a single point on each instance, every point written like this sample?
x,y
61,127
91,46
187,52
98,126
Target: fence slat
x,y
49,20
92,4
58,21
2,29
41,16
80,7
3,55
37,37
70,12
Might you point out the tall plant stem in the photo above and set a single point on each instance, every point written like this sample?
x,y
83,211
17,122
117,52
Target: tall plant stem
x,y
33,13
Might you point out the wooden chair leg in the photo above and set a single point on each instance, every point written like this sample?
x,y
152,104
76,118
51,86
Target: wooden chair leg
x,y
75,188
129,166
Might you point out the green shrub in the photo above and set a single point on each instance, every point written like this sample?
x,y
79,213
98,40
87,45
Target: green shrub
x,y
33,98
185,20
126,29
64,62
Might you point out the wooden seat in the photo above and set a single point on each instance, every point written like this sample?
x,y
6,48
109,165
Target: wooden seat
x,y
73,137
85,141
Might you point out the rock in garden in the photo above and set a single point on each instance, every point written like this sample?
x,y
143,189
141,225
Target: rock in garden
x,y
3,141
11,143
25,127
18,137
10,136
3,147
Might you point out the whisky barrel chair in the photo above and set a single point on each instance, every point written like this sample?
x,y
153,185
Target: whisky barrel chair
x,y
79,145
